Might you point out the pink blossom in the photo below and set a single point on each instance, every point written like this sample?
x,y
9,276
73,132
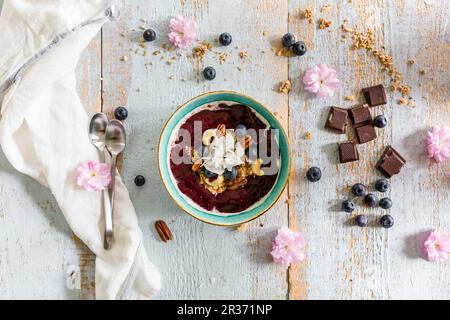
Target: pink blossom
x,y
93,176
437,246
182,31
321,80
438,143
288,247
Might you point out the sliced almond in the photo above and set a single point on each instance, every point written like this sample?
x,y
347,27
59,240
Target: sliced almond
x,y
247,141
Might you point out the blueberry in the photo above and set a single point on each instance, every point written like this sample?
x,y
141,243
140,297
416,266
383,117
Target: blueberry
x,y
348,206
362,220
209,174
371,200
149,35
209,73
225,39
382,185
240,130
314,174
386,203
121,113
288,40
299,48
386,221
380,121
230,175
139,180
358,189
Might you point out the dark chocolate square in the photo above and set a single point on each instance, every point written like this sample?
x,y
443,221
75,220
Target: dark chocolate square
x,y
391,162
375,95
337,119
365,133
360,115
348,152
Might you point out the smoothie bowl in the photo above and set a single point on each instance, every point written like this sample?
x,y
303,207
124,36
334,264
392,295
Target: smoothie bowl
x,y
224,158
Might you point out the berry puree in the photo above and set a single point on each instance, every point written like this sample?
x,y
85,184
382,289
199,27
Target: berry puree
x,y
229,201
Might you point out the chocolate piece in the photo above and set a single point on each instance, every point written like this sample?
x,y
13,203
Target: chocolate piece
x,y
348,152
390,162
360,115
375,95
365,133
337,119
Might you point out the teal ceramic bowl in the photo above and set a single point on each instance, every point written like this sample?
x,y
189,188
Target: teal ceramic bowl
x,y
168,181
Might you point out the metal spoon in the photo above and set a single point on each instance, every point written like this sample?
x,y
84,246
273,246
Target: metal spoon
x,y
115,139
97,135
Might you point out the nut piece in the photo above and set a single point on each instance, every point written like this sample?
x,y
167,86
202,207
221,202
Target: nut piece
x,y
221,130
256,167
197,165
242,227
163,230
238,183
247,141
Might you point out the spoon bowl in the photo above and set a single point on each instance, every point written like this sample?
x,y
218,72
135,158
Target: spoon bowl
x,y
115,137
97,130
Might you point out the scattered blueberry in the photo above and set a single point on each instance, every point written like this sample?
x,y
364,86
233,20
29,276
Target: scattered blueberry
x,y
386,203
358,189
139,180
121,113
288,40
371,200
230,175
225,39
362,220
387,221
209,174
240,130
348,206
314,174
149,35
209,73
382,185
380,121
299,48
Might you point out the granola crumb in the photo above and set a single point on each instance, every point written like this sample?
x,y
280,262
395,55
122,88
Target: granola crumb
x,y
403,101
285,86
323,23
124,58
243,54
242,227
171,77
201,50
349,98
308,136
422,71
325,8
156,52
265,33
308,14
411,62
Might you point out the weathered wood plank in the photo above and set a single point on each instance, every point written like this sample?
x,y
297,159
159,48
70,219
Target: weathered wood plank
x,y
204,260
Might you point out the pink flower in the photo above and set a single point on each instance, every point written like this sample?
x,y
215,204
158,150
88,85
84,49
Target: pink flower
x,y
437,246
288,247
182,31
321,80
438,143
93,176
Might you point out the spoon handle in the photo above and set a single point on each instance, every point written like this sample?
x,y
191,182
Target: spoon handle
x,y
108,198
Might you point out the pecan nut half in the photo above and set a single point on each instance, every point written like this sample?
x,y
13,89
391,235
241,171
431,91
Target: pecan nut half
x,y
221,129
163,231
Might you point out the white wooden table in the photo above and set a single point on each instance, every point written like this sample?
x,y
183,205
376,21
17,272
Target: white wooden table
x,y
343,262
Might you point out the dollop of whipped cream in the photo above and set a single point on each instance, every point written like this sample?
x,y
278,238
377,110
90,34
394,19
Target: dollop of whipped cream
x,y
224,152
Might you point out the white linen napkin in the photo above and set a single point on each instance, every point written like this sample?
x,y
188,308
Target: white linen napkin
x,y
44,131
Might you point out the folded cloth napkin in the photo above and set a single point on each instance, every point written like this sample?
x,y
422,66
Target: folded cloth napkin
x,y
44,131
